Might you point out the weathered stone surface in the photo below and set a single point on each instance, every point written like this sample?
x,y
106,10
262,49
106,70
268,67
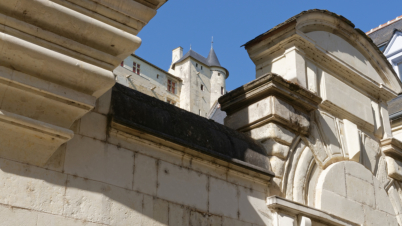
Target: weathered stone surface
x,y
93,159
183,186
31,187
145,174
223,198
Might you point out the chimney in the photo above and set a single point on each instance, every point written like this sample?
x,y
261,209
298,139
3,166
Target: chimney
x,y
177,54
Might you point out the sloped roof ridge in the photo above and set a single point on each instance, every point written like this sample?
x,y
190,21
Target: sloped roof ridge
x,y
381,26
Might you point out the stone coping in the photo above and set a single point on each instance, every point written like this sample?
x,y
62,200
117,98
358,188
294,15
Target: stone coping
x,y
267,85
281,204
133,110
392,147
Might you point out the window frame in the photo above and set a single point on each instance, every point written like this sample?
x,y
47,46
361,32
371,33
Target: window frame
x,y
171,86
136,68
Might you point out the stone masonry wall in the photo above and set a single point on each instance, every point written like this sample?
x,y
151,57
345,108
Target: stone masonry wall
x,y
97,179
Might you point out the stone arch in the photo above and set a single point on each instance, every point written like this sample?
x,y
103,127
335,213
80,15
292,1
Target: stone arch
x,y
350,190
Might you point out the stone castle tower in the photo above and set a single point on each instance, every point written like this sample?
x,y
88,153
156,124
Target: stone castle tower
x,y
203,79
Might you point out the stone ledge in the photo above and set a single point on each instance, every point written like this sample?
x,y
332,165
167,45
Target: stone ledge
x,y
269,84
392,147
40,140
279,204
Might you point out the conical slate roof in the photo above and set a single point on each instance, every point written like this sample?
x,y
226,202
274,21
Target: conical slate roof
x,y
212,59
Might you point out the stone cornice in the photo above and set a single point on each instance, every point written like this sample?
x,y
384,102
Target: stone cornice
x,y
267,85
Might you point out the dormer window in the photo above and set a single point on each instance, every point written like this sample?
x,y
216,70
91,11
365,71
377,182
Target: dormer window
x,y
171,86
136,68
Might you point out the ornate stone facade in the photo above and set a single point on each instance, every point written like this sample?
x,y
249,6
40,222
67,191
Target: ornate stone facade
x,y
307,143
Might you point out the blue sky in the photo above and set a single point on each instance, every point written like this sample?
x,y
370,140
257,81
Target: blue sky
x,y
233,23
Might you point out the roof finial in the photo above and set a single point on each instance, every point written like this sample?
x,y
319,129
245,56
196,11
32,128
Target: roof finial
x,y
212,42
190,46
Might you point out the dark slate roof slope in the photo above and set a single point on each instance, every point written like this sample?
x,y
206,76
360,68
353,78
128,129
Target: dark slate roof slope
x,y
147,114
212,59
383,35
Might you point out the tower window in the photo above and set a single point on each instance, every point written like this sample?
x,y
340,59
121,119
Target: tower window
x,y
157,75
196,65
222,90
219,74
201,67
136,68
171,86
202,87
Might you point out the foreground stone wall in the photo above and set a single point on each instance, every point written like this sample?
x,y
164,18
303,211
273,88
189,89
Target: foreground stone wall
x,y
111,178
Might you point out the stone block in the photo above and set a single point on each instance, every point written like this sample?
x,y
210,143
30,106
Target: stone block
x,y
340,206
273,131
378,127
352,139
394,168
87,200
215,220
176,215
341,99
31,187
125,207
103,103
330,132
93,159
145,174
358,171
56,161
226,221
223,198
371,153
277,165
276,149
337,185
284,219
360,191
161,212
382,201
198,219
253,208
14,216
93,125
50,219
102,203
374,217
181,185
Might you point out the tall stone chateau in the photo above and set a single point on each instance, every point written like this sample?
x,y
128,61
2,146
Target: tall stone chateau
x,y
86,142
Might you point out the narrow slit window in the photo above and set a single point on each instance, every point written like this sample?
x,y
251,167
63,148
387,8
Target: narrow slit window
x,y
196,65
222,90
157,76
202,87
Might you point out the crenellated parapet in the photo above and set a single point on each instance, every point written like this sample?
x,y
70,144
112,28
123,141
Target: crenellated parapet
x,y
56,59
